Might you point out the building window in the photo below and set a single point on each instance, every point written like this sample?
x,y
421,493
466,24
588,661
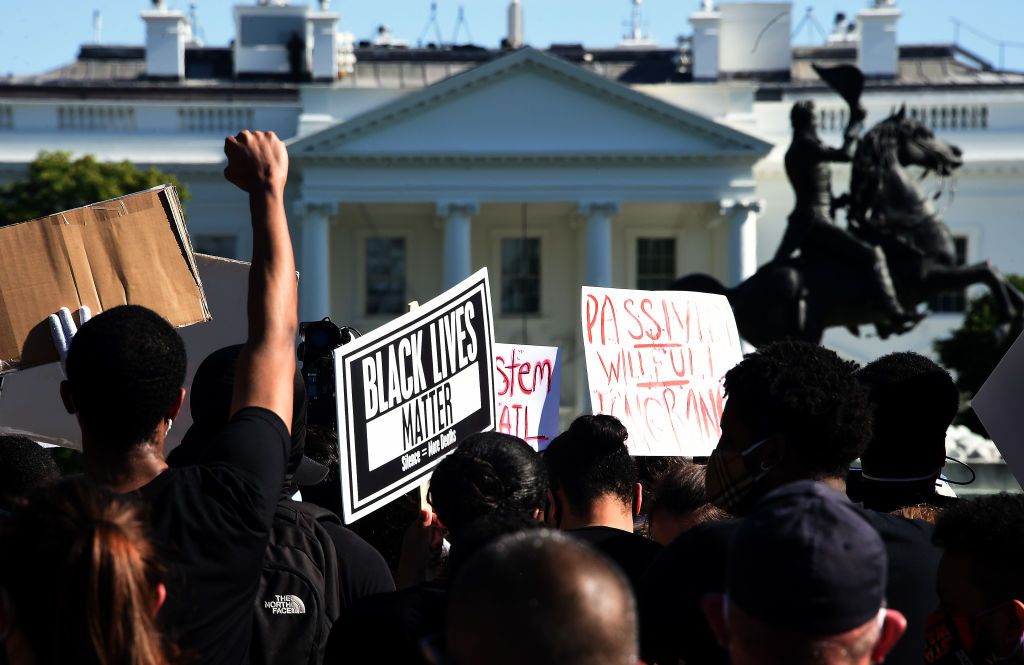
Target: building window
x,y
225,246
952,302
6,117
385,276
655,263
520,275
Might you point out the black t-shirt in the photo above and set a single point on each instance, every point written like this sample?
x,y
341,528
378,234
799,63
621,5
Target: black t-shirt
x,y
631,552
362,570
913,564
211,523
673,626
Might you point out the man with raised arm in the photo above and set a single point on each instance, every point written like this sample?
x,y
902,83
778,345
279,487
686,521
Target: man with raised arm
x,y
125,376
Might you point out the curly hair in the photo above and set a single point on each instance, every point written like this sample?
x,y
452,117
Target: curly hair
x,y
486,473
24,467
808,394
990,530
914,402
125,367
590,460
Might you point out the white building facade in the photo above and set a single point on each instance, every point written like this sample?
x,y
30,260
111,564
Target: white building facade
x,y
618,167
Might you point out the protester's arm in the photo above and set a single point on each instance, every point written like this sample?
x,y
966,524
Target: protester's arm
x,y
258,164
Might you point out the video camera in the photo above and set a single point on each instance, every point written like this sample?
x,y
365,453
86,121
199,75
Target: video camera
x,y
318,340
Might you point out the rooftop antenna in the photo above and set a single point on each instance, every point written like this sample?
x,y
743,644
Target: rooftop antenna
x,y
198,36
636,21
635,37
810,22
432,23
461,22
97,27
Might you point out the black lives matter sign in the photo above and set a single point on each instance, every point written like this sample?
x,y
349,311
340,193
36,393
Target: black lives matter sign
x,y
410,391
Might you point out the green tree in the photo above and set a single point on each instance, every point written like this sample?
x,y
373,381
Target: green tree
x,y
974,349
55,182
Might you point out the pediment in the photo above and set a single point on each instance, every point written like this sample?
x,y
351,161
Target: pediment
x,y
528,104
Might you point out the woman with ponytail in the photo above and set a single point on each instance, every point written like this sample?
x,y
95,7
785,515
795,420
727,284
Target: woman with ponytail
x,y
596,492
79,581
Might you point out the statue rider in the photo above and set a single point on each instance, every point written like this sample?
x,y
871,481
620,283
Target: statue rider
x,y
811,225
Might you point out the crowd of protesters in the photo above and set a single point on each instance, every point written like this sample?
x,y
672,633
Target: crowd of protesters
x,y
772,552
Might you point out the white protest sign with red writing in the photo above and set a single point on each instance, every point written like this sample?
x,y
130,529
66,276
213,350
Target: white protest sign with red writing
x,y
527,387
655,360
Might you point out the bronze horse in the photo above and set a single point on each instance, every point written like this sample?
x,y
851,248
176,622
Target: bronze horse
x,y
799,298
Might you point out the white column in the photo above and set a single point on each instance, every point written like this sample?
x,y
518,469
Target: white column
x,y
315,267
742,220
599,241
458,253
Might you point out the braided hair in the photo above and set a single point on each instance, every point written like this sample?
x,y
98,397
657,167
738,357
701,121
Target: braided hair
x,y
488,472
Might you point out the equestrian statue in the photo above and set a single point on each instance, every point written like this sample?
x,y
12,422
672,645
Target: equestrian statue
x,y
895,252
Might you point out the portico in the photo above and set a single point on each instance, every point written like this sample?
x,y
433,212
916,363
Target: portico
x,y
550,176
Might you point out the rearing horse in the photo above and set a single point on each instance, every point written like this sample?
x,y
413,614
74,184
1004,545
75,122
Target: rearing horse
x,y
800,298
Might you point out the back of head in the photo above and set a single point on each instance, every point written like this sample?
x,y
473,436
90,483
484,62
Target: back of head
x,y
650,469
24,466
679,502
125,367
487,472
590,460
483,531
682,490
805,565
802,114
914,402
989,531
540,597
808,394
210,400
82,575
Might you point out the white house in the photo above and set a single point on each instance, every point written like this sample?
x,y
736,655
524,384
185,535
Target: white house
x,y
623,166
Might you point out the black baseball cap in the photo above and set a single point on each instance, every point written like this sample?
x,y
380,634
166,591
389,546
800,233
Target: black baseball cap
x,y
807,561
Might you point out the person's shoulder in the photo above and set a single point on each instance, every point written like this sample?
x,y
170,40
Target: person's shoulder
x,y
893,527
606,535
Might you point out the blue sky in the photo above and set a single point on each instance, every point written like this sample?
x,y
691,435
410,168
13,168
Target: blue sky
x,y
36,35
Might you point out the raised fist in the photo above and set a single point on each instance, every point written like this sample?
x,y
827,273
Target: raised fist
x,y
257,162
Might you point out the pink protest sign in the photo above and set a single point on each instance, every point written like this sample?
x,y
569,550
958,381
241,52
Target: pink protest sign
x,y
527,382
655,360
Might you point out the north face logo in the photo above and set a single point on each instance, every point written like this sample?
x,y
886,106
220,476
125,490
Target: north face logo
x,y
285,605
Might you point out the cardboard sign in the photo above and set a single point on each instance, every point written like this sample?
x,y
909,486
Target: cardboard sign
x,y
655,360
410,391
30,401
528,383
129,250
997,404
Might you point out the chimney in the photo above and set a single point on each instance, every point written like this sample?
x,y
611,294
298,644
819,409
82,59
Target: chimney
x,y
704,43
754,40
324,26
167,31
515,24
878,54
